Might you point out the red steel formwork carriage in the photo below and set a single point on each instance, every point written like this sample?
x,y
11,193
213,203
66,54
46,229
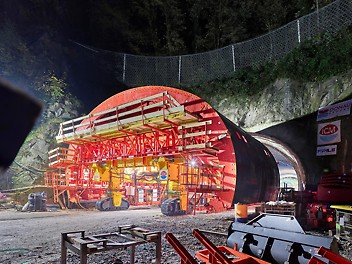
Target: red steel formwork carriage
x,y
155,143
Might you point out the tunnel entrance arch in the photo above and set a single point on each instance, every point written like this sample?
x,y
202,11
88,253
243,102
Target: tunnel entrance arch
x,y
160,144
290,167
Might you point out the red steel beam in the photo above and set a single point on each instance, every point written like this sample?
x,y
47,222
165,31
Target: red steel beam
x,y
331,256
186,257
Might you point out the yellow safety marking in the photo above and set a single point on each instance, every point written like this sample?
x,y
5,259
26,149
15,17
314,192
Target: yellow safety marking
x,y
342,207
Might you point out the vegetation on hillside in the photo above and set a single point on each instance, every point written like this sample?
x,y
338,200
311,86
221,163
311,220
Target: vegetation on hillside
x,y
315,60
154,27
35,50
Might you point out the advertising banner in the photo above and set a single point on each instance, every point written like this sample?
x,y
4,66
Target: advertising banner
x,y
329,133
327,150
331,111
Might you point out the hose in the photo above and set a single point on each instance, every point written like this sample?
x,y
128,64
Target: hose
x,y
21,251
14,249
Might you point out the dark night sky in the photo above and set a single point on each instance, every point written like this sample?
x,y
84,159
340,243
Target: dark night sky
x,y
119,26
50,38
93,76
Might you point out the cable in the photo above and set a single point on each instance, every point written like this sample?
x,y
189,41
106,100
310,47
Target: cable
x,y
32,170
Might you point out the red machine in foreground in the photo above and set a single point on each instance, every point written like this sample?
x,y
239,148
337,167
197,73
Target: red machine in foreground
x,y
290,252
151,144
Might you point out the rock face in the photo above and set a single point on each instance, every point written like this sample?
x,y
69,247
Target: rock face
x,y
286,112
283,100
32,159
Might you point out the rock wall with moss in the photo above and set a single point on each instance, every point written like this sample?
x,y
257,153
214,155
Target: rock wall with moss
x,y
286,111
283,100
32,159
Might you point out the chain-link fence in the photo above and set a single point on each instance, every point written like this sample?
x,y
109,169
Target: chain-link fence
x,y
187,69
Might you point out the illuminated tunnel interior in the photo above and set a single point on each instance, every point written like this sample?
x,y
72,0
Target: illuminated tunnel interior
x,y
291,171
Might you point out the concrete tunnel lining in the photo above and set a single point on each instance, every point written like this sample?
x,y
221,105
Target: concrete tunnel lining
x,y
284,150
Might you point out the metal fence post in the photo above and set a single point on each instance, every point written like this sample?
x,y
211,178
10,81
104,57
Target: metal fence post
x,y
317,6
298,31
179,69
233,58
124,68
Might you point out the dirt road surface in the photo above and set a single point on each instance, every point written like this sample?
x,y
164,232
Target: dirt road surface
x,y
35,237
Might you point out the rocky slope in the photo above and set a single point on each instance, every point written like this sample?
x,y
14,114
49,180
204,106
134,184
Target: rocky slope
x,y
32,159
283,100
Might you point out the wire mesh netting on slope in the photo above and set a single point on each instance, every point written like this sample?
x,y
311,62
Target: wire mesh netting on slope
x,y
137,70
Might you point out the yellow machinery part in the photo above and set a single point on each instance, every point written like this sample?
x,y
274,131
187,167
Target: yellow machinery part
x,y
130,163
120,163
173,186
115,183
138,162
162,163
105,175
173,172
101,172
117,198
184,200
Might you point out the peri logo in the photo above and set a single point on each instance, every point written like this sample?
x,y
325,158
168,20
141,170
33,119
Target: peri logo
x,y
163,175
328,133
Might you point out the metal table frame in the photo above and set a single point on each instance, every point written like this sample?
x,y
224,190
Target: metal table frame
x,y
83,245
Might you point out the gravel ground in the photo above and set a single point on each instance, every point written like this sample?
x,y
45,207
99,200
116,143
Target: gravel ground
x,y
34,237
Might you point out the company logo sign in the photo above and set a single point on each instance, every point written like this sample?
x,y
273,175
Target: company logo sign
x,y
331,111
327,150
163,174
329,133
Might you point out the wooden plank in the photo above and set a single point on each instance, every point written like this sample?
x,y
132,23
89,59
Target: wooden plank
x,y
118,116
172,99
111,110
74,127
195,134
75,120
197,124
126,124
194,146
132,120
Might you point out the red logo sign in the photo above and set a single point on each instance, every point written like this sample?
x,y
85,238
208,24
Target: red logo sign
x,y
328,130
323,111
